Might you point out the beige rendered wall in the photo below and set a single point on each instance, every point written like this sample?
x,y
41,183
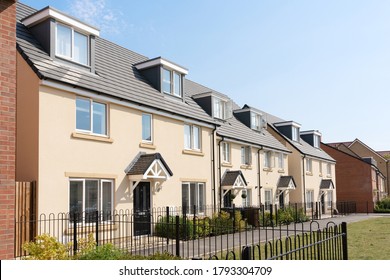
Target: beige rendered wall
x,y
27,118
62,155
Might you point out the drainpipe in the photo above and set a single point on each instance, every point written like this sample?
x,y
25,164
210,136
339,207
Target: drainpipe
x,y
304,181
213,169
219,173
259,174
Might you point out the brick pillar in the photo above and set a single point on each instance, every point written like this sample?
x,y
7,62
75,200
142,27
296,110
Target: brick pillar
x,y
7,126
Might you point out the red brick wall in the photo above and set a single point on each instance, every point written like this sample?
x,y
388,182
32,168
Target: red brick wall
x,y
7,126
353,179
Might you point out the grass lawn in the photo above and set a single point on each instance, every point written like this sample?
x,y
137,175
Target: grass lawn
x,y
369,239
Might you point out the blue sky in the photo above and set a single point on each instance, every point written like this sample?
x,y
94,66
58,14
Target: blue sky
x,y
324,64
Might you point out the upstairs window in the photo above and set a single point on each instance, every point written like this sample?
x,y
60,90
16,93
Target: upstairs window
x,y
329,170
309,165
71,45
295,134
268,159
191,137
281,161
222,109
147,128
172,83
316,141
226,152
257,121
246,153
91,116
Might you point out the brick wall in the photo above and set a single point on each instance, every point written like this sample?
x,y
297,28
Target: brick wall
x,y
354,179
7,126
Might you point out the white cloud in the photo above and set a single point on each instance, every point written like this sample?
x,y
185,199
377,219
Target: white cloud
x,y
96,13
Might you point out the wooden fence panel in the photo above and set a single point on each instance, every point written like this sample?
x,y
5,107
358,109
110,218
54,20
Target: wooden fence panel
x,y
25,214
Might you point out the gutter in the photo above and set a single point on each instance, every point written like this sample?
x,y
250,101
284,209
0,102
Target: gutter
x,y
213,170
304,181
220,173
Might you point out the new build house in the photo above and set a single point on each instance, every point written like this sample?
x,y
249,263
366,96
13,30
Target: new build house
x,y
102,128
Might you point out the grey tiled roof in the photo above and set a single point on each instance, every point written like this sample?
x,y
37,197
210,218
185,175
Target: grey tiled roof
x,y
233,128
302,146
142,162
230,177
284,182
115,74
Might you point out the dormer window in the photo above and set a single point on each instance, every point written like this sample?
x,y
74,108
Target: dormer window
x,y
257,121
295,133
316,141
222,109
313,137
172,82
71,45
165,76
64,38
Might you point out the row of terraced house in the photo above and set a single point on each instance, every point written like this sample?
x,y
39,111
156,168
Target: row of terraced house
x,y
100,127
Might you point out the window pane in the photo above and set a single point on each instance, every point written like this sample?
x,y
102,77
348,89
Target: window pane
x,y
91,199
193,196
107,200
146,127
99,118
83,114
167,81
177,84
201,198
196,137
80,48
217,108
64,40
187,136
185,196
76,198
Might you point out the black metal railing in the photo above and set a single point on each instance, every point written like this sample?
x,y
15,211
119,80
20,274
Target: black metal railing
x,y
237,233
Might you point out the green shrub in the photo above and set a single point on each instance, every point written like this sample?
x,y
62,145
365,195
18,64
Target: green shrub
x,y
167,228
383,206
46,247
267,220
103,252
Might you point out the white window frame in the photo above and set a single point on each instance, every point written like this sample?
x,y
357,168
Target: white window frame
x,y
226,152
316,141
330,198
221,109
72,51
90,131
256,121
200,199
268,159
329,170
246,202
320,167
295,133
100,196
246,155
172,91
280,161
151,128
192,137
309,165
309,198
268,200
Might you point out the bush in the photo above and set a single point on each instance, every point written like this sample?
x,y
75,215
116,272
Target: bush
x,y
103,252
46,247
167,228
383,206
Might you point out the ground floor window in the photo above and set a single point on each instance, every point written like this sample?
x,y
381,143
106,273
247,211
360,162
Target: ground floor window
x,y
86,196
267,199
330,198
193,194
309,199
246,198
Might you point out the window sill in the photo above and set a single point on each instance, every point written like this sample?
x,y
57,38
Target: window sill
x,y
83,136
193,152
281,171
267,169
309,173
246,166
147,145
328,176
227,164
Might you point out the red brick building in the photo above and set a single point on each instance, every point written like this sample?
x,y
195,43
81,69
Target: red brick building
x,y
7,126
357,179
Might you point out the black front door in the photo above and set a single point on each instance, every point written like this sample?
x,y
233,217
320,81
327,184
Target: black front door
x,y
323,203
141,199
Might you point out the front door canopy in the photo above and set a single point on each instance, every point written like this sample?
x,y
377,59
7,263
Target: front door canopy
x,y
233,180
148,167
286,183
326,185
